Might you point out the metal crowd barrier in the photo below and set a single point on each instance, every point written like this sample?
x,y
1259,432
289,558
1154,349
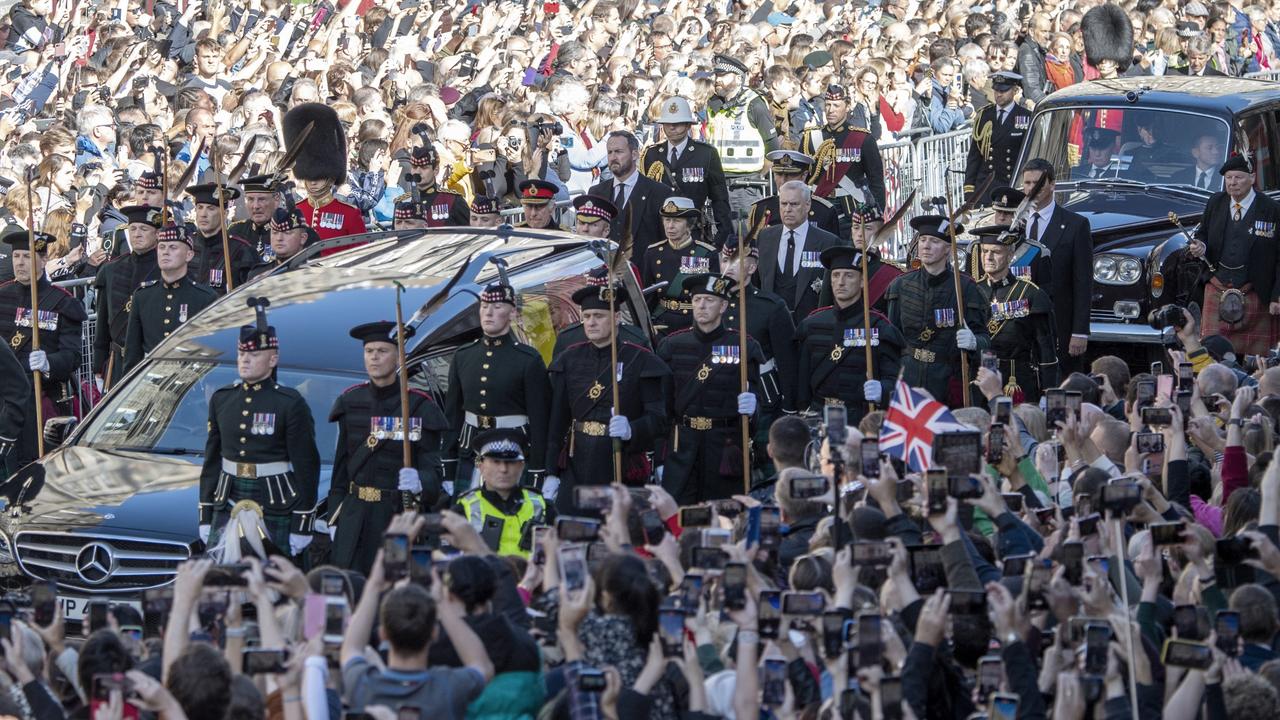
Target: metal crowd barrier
x,y
1272,75
933,166
83,387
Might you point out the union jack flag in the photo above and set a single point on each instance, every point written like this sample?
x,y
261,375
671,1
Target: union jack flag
x,y
910,424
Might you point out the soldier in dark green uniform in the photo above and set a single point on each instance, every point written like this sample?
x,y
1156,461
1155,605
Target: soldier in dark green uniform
x,y
15,396
160,306
59,317
208,266
370,482
441,208
115,285
704,453
583,422
769,323
574,334
672,260
261,198
791,165
833,342
261,446
922,304
408,213
495,382
1023,336
290,235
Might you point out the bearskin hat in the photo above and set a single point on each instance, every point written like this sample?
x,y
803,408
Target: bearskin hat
x,y
1108,35
323,155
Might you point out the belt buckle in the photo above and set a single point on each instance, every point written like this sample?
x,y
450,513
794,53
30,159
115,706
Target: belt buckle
x,y
368,494
699,423
924,355
833,402
485,421
246,470
594,429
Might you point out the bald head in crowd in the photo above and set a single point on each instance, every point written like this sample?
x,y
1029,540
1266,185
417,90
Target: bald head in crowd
x,y
1270,382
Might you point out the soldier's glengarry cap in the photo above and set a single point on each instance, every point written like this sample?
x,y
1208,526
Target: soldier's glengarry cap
x,y
259,184
537,192
597,297
679,207
260,335
592,209
287,219
500,444
674,111
18,239
207,194
378,331
730,248
789,162
996,235
408,209
484,205
142,215
841,258
1236,162
149,180
424,156
934,226
597,276
710,284
175,233
1006,199
725,64
835,92
498,292
1005,80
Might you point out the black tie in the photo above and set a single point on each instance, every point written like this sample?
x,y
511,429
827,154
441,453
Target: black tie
x,y
1003,113
1204,179
618,195
1035,227
791,253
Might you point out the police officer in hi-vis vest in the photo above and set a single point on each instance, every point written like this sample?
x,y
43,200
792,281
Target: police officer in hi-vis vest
x,y
499,509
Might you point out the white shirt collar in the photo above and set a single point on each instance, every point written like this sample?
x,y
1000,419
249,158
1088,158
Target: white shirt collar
x,y
1045,213
678,149
1245,203
802,232
630,182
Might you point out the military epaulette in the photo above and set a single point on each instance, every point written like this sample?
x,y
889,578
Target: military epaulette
x,y
821,200
146,284
580,342
659,243
705,245
642,348
860,129
896,263
681,331
1027,281
877,313
423,393
527,349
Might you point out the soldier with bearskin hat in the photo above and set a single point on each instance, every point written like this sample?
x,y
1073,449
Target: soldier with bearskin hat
x,y
160,306
261,446
320,167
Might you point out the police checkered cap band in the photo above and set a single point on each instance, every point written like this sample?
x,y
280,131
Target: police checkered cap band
x,y
504,448
727,64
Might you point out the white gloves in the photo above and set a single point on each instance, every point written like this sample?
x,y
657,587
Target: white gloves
x,y
871,391
550,487
747,403
447,486
38,361
298,543
333,532
409,481
620,427
965,339
204,533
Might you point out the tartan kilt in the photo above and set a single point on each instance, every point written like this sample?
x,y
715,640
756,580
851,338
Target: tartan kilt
x,y
1253,335
277,524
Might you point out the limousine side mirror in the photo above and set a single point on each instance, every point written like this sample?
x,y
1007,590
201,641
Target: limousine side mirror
x,y
58,429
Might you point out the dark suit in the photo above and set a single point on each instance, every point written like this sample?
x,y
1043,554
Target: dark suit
x,y
1209,71
697,175
1070,243
645,201
1189,176
1262,268
800,295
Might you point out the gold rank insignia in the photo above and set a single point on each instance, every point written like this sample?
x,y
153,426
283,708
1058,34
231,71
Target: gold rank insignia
x,y
837,352
18,339
371,441
993,326
704,372
926,335
595,391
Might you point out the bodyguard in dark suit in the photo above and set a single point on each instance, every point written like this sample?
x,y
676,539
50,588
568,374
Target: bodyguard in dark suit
x,y
1068,239
690,168
1238,236
629,189
1207,152
998,133
790,263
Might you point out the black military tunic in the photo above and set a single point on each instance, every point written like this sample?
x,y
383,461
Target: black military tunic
x,y
208,267
672,308
364,494
833,360
770,324
15,396
60,317
441,208
695,174
261,447
704,453
1023,336
158,309
494,382
821,213
574,334
880,274
258,237
579,449
116,282
923,307
995,148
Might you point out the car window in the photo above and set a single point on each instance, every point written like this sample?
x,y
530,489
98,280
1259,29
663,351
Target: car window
x,y
1254,128
1157,145
166,408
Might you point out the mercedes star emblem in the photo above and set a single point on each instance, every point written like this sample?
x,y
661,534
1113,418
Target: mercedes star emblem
x,y
95,562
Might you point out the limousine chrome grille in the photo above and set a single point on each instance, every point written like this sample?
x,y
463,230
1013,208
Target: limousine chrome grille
x,y
99,563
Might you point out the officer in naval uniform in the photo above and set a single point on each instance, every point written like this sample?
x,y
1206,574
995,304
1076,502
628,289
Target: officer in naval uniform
x,y
689,167
999,131
791,165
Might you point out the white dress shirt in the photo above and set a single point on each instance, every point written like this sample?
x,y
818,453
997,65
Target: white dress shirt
x,y
802,232
629,186
1042,224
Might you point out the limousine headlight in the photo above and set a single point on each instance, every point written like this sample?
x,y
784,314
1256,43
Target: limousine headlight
x,y
1116,270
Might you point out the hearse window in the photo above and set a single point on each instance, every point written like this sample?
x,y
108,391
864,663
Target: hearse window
x,y
1255,128
1145,145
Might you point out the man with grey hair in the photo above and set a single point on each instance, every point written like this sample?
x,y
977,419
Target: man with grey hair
x,y
790,264
97,137
1199,51
1217,379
